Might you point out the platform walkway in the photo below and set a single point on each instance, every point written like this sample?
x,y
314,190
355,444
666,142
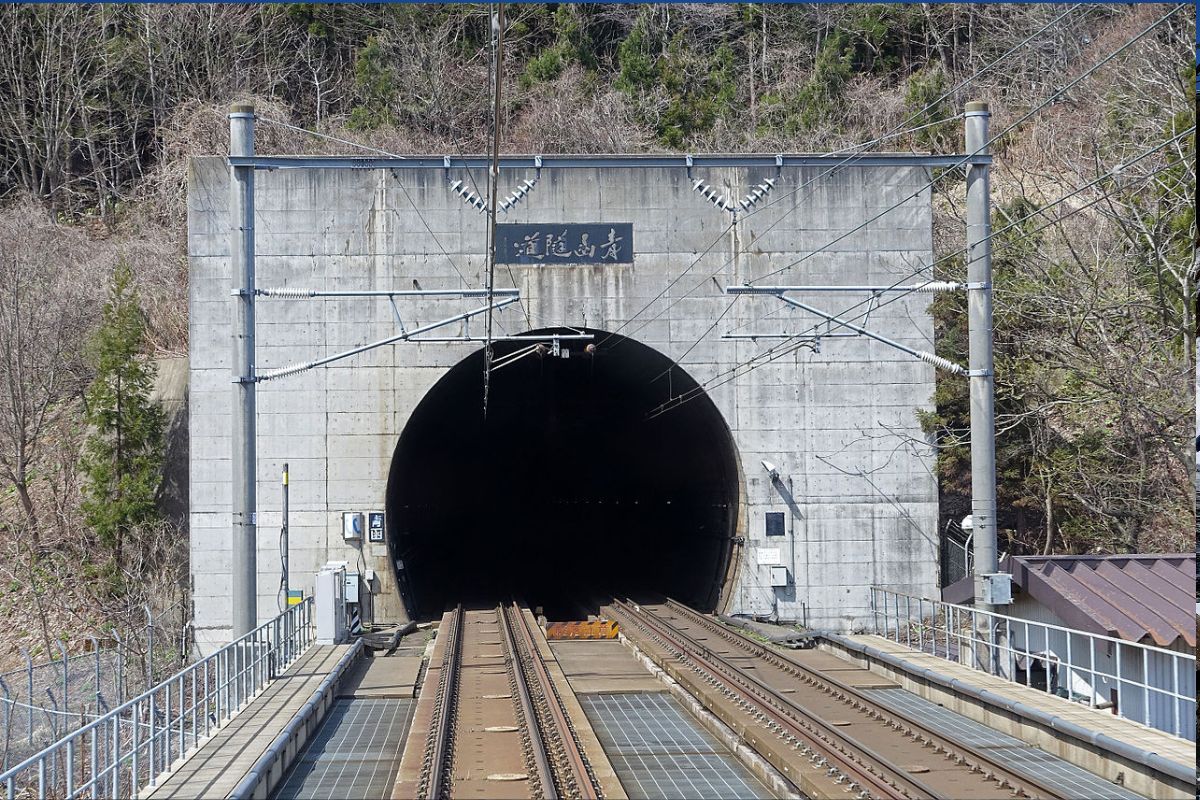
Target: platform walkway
x,y
216,768
1148,761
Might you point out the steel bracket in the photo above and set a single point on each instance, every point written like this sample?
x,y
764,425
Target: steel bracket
x,y
977,285
978,373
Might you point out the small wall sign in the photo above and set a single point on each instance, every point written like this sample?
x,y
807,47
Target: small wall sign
x,y
375,526
768,556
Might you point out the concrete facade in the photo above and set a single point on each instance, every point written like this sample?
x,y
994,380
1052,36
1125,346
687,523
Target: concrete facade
x,y
840,425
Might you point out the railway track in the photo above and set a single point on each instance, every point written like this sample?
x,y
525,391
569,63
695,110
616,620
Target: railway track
x,y
499,727
848,745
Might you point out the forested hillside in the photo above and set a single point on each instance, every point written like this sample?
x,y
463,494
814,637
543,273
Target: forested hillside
x,y
101,105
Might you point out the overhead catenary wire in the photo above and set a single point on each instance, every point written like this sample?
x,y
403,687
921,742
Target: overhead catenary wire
x,y
967,157
801,340
416,209
1113,173
789,346
437,99
854,152
962,162
1040,211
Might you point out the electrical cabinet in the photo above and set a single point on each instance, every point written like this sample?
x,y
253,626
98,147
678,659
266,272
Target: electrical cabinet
x,y
330,604
995,588
779,577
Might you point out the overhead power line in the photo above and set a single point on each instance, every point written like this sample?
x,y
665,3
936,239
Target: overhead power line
x,y
1037,109
1020,120
856,150
803,339
396,177
1111,174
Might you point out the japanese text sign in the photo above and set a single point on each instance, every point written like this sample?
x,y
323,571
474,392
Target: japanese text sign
x,y
535,243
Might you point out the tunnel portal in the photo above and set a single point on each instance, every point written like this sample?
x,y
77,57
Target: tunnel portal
x,y
568,491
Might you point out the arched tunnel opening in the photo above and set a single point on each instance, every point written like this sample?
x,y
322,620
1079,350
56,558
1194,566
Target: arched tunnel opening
x,y
570,490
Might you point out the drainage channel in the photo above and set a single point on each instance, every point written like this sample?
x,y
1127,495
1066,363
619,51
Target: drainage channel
x,y
660,753
355,752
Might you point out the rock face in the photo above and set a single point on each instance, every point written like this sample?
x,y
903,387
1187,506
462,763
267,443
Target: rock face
x,y
171,392
855,483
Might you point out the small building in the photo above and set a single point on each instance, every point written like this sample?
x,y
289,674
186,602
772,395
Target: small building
x,y
1061,607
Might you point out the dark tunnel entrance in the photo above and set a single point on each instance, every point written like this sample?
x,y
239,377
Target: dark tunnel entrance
x,y
568,492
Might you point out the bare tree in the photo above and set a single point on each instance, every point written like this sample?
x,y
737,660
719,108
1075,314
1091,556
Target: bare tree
x,y
46,311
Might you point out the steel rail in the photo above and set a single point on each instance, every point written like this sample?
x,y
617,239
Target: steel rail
x,y
584,782
845,691
441,732
537,743
819,735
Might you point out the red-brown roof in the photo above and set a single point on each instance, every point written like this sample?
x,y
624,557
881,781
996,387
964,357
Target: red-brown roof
x,y
1139,598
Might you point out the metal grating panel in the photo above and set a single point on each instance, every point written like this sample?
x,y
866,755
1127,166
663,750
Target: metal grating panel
x,y
354,754
660,753
1071,782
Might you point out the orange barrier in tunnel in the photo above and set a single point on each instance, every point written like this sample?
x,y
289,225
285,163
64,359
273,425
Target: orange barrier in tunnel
x,y
590,629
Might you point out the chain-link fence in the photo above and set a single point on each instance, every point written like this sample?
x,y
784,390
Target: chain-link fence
x,y
45,700
117,753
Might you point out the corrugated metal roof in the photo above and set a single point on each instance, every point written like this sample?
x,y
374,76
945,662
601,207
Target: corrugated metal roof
x,y
1139,598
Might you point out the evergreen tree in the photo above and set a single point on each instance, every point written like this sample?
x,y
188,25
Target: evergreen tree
x,y
123,456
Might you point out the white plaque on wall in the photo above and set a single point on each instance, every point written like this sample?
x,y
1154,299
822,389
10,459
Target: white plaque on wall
x,y
768,556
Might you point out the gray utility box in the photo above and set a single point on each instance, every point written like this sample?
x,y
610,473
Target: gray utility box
x,y
995,588
779,577
330,604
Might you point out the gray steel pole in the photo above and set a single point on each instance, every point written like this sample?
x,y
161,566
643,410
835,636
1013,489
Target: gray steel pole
x,y
979,320
287,586
241,211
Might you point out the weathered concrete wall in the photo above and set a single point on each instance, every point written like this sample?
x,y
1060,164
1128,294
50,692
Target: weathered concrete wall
x,y
840,425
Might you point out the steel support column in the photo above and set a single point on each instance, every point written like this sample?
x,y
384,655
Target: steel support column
x,y
979,311
244,600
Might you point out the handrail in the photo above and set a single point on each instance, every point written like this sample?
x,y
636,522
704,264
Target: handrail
x,y
953,631
261,770
117,753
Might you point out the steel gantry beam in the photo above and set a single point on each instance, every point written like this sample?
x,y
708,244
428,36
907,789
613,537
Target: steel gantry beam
x,y
780,292
283,372
822,161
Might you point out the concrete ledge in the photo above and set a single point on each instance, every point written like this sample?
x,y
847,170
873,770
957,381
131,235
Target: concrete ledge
x,y
271,766
1143,771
